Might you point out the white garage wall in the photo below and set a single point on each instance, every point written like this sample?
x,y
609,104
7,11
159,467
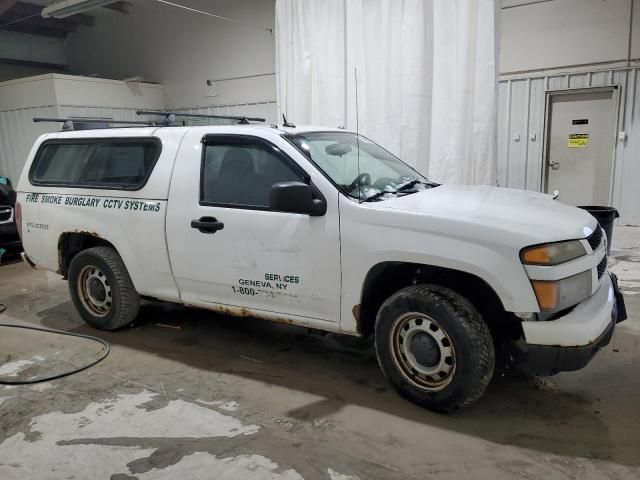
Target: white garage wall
x,y
181,50
562,33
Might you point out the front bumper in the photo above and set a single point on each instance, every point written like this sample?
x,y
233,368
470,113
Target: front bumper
x,y
570,342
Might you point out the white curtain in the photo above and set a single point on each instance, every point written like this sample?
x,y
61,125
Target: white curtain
x,y
426,77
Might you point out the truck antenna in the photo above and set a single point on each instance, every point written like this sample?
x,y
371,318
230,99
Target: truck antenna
x,y
287,124
355,74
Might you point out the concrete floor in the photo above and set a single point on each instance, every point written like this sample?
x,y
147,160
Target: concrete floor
x,y
192,395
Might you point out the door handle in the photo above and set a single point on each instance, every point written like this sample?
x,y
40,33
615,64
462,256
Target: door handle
x,y
207,225
554,165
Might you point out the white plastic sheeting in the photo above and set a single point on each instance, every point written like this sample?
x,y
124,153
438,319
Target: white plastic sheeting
x,y
426,71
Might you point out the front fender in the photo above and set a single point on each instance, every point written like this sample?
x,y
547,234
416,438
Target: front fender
x,y
366,243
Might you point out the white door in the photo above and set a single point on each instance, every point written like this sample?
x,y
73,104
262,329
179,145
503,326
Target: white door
x,y
241,255
580,146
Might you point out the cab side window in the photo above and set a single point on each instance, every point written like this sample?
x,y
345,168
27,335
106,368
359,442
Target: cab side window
x,y
242,174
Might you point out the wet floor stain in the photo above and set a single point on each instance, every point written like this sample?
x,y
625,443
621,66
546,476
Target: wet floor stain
x,y
122,434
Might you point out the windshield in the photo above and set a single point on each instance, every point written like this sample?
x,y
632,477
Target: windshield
x,y
375,174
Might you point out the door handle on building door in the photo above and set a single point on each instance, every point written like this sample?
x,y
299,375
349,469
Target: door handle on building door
x,y
554,165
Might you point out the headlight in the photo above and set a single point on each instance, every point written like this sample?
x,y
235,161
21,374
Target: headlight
x,y
561,294
552,253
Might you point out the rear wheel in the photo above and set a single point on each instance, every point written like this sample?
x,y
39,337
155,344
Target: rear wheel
x,y
434,347
102,290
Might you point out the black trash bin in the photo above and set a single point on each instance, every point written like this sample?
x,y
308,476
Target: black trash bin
x,y
605,217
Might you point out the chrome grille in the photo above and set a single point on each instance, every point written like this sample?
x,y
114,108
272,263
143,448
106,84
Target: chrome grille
x,y
595,238
602,266
6,215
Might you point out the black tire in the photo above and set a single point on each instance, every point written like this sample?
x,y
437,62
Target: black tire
x,y
111,285
464,340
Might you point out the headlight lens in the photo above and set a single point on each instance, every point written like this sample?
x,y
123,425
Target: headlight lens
x,y
552,253
561,294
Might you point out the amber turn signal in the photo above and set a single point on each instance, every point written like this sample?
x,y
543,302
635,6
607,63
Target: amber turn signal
x,y
536,256
547,294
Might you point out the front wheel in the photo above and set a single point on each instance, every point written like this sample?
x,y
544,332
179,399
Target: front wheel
x,y
102,290
434,347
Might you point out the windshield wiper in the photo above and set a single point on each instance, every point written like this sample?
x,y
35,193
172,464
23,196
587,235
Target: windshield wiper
x,y
402,188
377,195
408,185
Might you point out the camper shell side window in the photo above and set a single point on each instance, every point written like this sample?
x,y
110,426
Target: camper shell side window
x,y
102,163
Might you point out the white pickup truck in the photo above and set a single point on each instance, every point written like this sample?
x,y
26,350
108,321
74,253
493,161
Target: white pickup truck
x,y
322,228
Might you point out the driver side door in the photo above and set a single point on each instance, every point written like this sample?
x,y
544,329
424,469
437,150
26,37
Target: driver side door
x,y
263,262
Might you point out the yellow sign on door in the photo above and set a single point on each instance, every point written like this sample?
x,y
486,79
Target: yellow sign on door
x,y
578,140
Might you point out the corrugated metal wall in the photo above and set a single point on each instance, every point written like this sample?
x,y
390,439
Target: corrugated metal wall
x,y
17,134
521,123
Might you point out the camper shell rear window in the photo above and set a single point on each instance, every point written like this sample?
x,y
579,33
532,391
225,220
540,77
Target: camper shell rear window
x,y
103,163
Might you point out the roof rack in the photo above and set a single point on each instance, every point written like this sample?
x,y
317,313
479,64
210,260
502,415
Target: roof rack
x,y
88,123
69,123
170,117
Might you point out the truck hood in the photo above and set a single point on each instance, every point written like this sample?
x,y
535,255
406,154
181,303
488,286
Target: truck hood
x,y
534,216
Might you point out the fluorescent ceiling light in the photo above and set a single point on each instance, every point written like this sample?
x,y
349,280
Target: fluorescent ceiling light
x,y
66,8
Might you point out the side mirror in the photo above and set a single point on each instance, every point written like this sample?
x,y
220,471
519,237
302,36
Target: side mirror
x,y
296,197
